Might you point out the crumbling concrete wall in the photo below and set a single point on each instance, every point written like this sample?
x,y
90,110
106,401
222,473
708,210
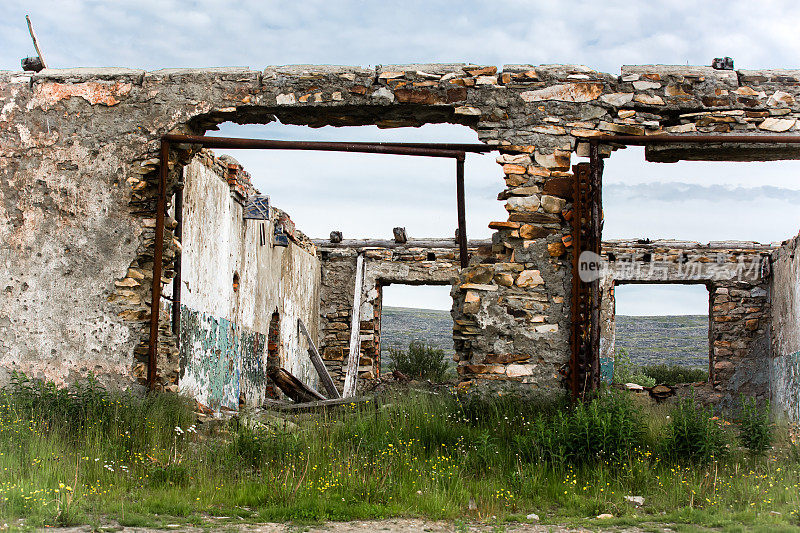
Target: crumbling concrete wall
x,y
416,262
78,175
225,324
784,368
737,277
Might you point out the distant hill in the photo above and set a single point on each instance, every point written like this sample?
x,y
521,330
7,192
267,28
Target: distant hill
x,y
401,325
681,340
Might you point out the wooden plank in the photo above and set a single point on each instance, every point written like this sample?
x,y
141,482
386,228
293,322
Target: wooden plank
x,y
319,364
35,41
293,387
307,406
351,376
391,244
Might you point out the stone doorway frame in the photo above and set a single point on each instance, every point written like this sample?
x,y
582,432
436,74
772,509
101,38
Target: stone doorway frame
x,y
585,367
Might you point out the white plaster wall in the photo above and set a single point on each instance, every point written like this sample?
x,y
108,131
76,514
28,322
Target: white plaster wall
x,y
217,242
785,330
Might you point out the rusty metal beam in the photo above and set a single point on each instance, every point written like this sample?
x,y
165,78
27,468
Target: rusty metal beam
x,y
642,140
418,149
462,217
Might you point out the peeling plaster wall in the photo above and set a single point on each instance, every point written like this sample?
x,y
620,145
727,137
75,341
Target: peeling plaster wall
x,y
784,370
224,332
79,169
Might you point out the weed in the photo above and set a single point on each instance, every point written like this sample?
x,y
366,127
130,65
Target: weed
x,y
693,433
605,429
674,374
625,371
755,428
138,460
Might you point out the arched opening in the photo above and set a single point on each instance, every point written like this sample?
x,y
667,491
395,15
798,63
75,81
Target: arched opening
x,y
273,351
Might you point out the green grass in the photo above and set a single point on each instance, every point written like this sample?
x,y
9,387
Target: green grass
x,y
120,457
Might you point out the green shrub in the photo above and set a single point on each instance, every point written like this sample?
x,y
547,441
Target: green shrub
x,y
420,361
693,433
755,428
607,427
674,374
625,371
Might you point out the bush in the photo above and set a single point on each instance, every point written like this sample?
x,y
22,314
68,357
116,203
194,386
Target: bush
x,y
608,427
674,374
420,361
625,371
693,433
755,429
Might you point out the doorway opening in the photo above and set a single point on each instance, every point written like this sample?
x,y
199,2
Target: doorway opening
x,y
418,314
662,332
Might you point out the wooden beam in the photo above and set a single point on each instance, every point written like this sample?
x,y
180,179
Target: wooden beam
x,y
293,387
278,405
319,364
351,376
35,41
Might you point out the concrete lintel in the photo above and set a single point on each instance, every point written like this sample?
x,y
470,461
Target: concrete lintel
x,y
82,74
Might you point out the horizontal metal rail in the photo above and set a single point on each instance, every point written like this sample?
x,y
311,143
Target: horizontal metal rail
x,y
419,149
699,139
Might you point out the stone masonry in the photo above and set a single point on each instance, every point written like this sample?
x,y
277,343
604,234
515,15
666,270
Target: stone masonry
x,y
78,174
416,262
737,275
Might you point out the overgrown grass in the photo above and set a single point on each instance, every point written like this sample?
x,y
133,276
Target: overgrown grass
x,y
83,455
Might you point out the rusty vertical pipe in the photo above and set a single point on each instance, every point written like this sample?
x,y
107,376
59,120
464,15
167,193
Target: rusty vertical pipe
x,y
158,256
462,216
577,209
596,165
176,281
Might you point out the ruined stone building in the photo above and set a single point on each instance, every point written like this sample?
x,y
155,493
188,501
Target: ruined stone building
x,y
79,183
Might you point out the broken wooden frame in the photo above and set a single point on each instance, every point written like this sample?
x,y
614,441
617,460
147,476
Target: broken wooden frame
x,y
584,370
446,150
319,364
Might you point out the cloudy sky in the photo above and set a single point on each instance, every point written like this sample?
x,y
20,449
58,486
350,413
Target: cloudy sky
x,y
365,196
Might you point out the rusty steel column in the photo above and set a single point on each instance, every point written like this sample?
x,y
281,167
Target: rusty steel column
x,y
575,307
596,176
158,255
462,216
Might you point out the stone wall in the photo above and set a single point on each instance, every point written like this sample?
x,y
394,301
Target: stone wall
x,y
235,275
78,175
417,262
737,277
784,370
